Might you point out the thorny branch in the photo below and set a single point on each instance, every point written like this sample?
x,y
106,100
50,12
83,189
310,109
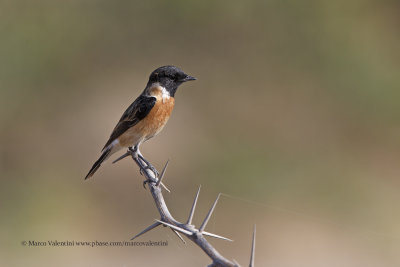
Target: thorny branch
x,y
197,236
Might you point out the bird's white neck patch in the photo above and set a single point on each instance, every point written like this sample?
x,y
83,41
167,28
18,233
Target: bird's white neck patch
x,y
165,94
159,91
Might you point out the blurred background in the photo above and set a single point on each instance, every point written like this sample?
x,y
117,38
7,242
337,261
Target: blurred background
x,y
294,117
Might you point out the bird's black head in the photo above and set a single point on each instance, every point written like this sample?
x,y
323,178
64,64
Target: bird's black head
x,y
169,77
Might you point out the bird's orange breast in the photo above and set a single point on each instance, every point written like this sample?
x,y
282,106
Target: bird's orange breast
x,y
151,125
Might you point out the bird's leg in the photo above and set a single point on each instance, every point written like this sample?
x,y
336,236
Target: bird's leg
x,y
133,151
149,166
143,163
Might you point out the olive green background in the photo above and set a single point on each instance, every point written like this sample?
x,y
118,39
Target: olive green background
x,y
294,116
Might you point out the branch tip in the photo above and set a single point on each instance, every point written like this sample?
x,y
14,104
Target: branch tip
x,y
189,221
235,262
216,236
128,153
151,227
177,228
179,235
203,225
253,248
162,173
166,188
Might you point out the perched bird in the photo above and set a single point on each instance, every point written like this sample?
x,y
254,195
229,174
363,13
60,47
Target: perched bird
x,y
147,115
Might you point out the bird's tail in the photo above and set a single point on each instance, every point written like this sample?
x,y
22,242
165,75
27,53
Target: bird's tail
x,y
105,155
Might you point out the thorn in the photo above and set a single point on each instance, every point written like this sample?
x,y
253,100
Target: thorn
x,y
203,225
180,237
128,153
162,173
166,188
186,232
151,227
216,236
189,221
253,248
235,262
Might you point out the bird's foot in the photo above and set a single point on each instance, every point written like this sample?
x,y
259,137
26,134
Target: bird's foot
x,y
148,166
151,168
144,183
133,151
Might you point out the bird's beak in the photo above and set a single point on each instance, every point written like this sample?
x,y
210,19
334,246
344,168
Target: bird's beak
x,y
188,78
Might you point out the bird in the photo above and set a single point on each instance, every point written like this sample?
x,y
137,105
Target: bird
x,y
146,116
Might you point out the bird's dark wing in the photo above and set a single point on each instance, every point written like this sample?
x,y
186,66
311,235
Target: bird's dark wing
x,y
137,111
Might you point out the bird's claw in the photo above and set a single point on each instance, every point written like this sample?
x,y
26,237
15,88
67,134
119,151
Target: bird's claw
x,y
151,168
154,170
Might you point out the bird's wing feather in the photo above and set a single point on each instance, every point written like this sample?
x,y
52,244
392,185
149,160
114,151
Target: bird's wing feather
x,y
137,111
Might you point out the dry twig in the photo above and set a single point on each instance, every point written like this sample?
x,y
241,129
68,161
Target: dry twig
x,y
187,229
